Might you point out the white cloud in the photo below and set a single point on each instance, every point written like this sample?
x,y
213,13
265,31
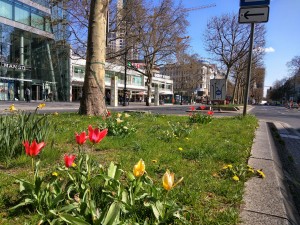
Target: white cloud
x,y
266,50
270,49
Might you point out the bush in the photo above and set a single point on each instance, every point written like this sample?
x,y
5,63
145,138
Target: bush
x,y
117,125
18,127
195,117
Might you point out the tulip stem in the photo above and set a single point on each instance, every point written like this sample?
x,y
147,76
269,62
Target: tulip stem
x,y
32,164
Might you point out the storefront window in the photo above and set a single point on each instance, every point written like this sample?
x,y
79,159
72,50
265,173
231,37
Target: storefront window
x,y
137,80
5,9
22,15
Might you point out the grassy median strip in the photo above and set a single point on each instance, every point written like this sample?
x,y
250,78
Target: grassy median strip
x,y
198,152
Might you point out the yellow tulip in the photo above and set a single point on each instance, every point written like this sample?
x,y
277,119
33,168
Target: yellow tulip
x,y
168,180
139,168
126,115
42,105
119,115
119,120
12,108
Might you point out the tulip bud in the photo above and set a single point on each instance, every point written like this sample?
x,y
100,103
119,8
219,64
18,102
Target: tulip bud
x,y
139,169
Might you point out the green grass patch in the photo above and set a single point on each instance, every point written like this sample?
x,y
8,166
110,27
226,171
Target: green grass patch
x,y
197,155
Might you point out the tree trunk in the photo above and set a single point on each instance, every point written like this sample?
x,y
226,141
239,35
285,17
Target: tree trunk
x,y
149,84
234,90
93,95
238,92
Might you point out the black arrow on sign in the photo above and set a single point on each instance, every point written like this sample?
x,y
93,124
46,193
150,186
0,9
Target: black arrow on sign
x,y
247,14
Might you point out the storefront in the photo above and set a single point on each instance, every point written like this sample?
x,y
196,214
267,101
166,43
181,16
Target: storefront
x,y
29,55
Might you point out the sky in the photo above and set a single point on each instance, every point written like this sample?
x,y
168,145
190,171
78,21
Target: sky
x,y
282,37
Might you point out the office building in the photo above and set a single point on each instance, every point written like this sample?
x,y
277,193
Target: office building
x,y
33,50
135,82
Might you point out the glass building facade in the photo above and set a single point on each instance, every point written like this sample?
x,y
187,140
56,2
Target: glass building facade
x,y
31,54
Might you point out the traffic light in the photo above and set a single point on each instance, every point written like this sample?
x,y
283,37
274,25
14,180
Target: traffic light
x,y
129,64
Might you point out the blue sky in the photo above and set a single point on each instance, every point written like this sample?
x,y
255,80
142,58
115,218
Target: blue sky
x,y
282,38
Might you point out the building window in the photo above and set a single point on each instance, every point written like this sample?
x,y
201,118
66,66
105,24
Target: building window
x,y
6,10
22,15
37,21
137,80
47,25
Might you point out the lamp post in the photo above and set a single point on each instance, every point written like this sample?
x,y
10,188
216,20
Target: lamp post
x,y
125,79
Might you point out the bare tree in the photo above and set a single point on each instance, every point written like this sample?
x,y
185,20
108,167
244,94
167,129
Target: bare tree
x,y
239,71
228,41
151,30
257,84
294,64
157,30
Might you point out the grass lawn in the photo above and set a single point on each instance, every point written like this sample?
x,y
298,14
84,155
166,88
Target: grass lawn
x,y
198,153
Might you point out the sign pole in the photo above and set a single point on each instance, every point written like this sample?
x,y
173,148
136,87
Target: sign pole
x,y
249,71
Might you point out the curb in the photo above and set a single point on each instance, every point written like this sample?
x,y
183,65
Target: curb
x,y
267,201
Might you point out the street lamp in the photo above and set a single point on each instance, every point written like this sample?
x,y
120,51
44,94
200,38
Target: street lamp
x,y
125,79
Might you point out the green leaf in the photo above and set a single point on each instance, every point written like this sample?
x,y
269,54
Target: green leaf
x,y
68,208
112,214
27,201
146,221
58,199
73,220
114,171
130,176
155,211
125,196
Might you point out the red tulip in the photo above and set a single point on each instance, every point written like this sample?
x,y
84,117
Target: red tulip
x,y
210,113
81,138
95,135
69,159
192,108
202,107
108,113
33,149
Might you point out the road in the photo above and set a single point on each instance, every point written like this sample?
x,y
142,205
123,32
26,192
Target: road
x,y
278,113
60,107
287,123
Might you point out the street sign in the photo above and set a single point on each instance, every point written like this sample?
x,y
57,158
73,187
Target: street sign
x,y
254,15
254,2
218,92
217,89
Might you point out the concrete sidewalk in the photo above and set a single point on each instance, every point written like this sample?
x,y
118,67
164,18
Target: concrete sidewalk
x,y
267,201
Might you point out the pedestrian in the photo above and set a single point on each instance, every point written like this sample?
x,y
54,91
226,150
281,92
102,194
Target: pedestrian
x,y
27,94
50,96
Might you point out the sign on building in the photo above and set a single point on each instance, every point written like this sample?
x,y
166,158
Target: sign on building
x,y
217,89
